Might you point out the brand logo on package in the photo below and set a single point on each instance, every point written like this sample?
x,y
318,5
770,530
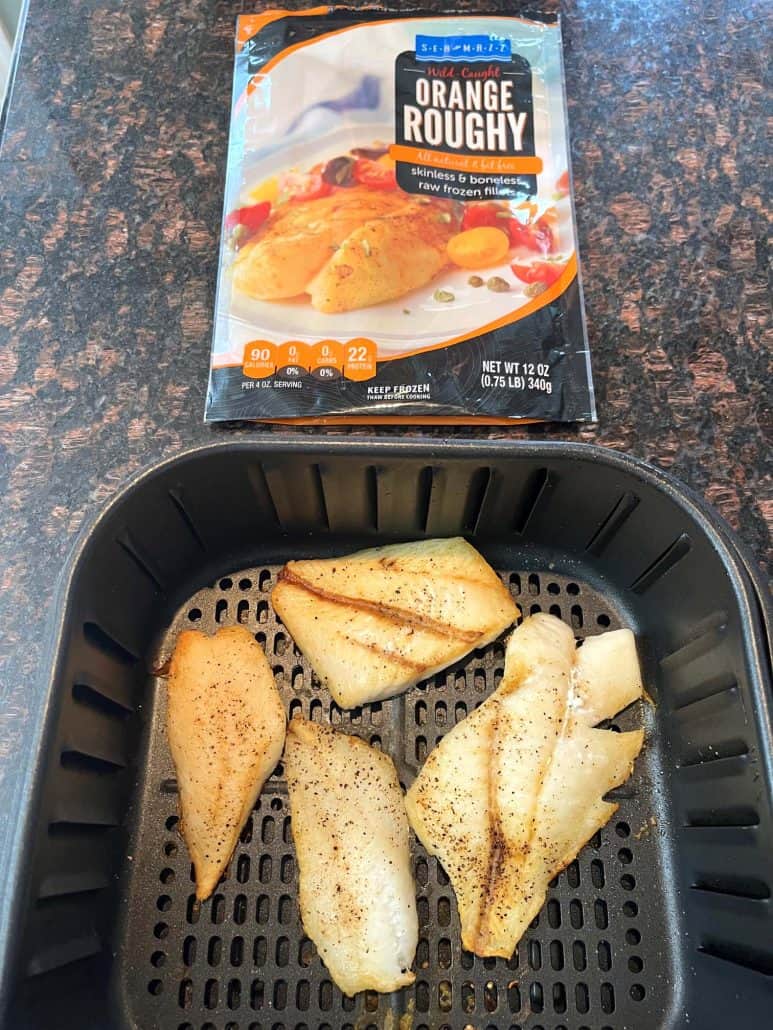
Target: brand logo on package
x,y
464,119
463,48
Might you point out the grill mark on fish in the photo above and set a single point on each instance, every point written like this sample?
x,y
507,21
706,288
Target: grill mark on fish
x,y
498,850
400,616
500,854
392,656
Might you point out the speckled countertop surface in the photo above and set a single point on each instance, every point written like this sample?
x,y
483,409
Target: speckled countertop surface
x,y
111,180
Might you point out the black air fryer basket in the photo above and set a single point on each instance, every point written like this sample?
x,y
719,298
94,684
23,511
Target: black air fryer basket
x,y
664,919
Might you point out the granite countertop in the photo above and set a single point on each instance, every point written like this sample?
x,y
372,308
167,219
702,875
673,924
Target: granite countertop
x,y
112,168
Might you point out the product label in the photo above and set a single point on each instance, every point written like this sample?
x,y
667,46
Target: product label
x,y
464,121
463,48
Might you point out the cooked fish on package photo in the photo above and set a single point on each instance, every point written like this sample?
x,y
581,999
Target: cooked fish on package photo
x,y
398,240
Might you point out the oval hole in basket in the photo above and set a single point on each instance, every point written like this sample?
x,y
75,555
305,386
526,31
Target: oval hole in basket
x,y
554,914
280,994
422,872
326,995
185,993
302,994
218,909
513,997
559,998
211,994
575,914
490,996
597,873
243,869
445,995
287,869
306,952
265,868
262,909
443,911
190,946
234,994
214,951
607,998
422,996
600,914
257,994
285,909
581,998
240,909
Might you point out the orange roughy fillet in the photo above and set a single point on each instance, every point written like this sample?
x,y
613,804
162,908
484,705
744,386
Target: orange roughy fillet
x,y
375,623
226,727
356,889
512,793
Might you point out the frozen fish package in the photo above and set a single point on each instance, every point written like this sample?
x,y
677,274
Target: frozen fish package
x,y
398,240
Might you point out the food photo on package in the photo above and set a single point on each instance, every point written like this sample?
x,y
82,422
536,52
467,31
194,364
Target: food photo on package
x,y
398,240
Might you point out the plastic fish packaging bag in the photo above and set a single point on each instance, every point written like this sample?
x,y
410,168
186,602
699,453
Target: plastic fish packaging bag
x,y
398,240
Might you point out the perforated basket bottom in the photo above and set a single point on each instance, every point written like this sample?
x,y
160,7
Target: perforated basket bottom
x,y
594,958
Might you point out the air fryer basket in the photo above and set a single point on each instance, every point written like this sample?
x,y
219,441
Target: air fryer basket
x,y
663,920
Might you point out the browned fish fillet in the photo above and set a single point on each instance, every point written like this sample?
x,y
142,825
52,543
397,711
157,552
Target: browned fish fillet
x,y
226,726
377,622
511,794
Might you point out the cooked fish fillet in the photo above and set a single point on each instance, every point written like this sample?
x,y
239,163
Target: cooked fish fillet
x,y
376,622
226,727
350,830
453,801
384,259
301,236
524,735
607,677
511,795
586,763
